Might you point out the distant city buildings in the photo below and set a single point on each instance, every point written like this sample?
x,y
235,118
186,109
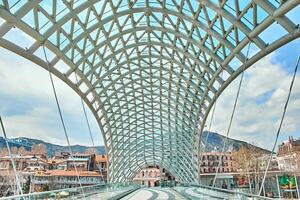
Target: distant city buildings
x,y
8,184
24,162
288,155
263,162
152,176
211,160
60,164
101,165
247,159
61,171
60,179
65,170
234,168
81,162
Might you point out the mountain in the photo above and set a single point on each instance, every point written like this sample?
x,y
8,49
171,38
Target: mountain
x,y
50,148
215,143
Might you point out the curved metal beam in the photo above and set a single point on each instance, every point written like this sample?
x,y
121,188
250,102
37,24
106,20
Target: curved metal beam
x,y
176,31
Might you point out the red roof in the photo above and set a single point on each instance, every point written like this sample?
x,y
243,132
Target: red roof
x,y
101,158
66,173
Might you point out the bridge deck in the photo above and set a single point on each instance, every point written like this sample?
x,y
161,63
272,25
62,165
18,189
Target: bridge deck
x,y
154,193
190,193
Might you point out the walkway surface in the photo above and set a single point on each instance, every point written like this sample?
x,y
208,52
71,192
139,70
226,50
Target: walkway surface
x,y
103,195
154,193
180,193
200,193
165,193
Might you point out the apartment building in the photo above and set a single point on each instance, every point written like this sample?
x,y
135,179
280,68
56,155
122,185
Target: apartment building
x,y
25,162
152,176
60,179
210,162
288,155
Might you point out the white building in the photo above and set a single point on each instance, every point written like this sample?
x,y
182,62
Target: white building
x,y
288,155
151,176
60,179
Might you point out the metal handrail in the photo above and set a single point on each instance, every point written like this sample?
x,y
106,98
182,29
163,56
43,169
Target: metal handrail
x,y
71,190
227,191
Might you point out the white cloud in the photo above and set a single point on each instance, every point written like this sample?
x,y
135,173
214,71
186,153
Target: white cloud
x,y
258,122
21,78
38,124
23,82
28,105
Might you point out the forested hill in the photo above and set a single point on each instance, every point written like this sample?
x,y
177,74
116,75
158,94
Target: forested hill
x,y
50,148
215,143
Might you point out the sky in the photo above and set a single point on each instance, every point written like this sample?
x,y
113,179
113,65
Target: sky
x,y
260,105
28,107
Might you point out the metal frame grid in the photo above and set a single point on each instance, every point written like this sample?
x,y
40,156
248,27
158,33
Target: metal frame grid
x,y
149,70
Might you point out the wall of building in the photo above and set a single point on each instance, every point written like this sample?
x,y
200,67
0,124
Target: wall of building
x,y
210,162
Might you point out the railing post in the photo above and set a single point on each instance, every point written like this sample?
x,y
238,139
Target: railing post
x,y
297,189
249,180
264,191
278,187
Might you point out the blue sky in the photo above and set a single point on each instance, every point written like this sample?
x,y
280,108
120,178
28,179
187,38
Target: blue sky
x,y
28,106
262,99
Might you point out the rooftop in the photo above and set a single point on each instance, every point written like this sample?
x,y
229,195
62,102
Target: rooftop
x,y
77,159
66,173
292,141
101,158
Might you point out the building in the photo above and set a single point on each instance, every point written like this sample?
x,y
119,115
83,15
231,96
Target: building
x,y
60,179
101,165
47,174
210,162
263,162
62,156
57,164
82,162
101,162
288,155
151,176
8,182
36,162
26,162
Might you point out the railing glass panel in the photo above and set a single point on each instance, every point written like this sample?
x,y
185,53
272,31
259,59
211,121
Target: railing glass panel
x,y
100,191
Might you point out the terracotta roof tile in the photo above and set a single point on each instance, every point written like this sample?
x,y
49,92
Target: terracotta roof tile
x,y
101,158
66,173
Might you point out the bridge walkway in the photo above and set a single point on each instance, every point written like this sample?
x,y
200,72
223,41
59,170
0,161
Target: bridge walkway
x,y
154,193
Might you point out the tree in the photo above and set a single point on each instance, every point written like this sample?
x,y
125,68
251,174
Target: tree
x,y
22,150
14,150
297,160
26,186
45,188
38,149
242,159
91,151
3,152
248,160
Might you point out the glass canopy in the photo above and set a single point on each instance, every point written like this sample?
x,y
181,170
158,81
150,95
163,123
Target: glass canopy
x,y
150,70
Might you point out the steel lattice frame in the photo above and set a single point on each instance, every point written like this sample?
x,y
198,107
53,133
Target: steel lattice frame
x,y
148,70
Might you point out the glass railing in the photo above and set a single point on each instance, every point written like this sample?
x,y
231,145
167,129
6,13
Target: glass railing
x,y
99,191
202,191
167,183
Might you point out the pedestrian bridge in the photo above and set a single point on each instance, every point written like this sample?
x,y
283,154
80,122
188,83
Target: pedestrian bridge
x,y
130,191
149,70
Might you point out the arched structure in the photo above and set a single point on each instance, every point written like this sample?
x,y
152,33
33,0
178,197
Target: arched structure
x,y
148,69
